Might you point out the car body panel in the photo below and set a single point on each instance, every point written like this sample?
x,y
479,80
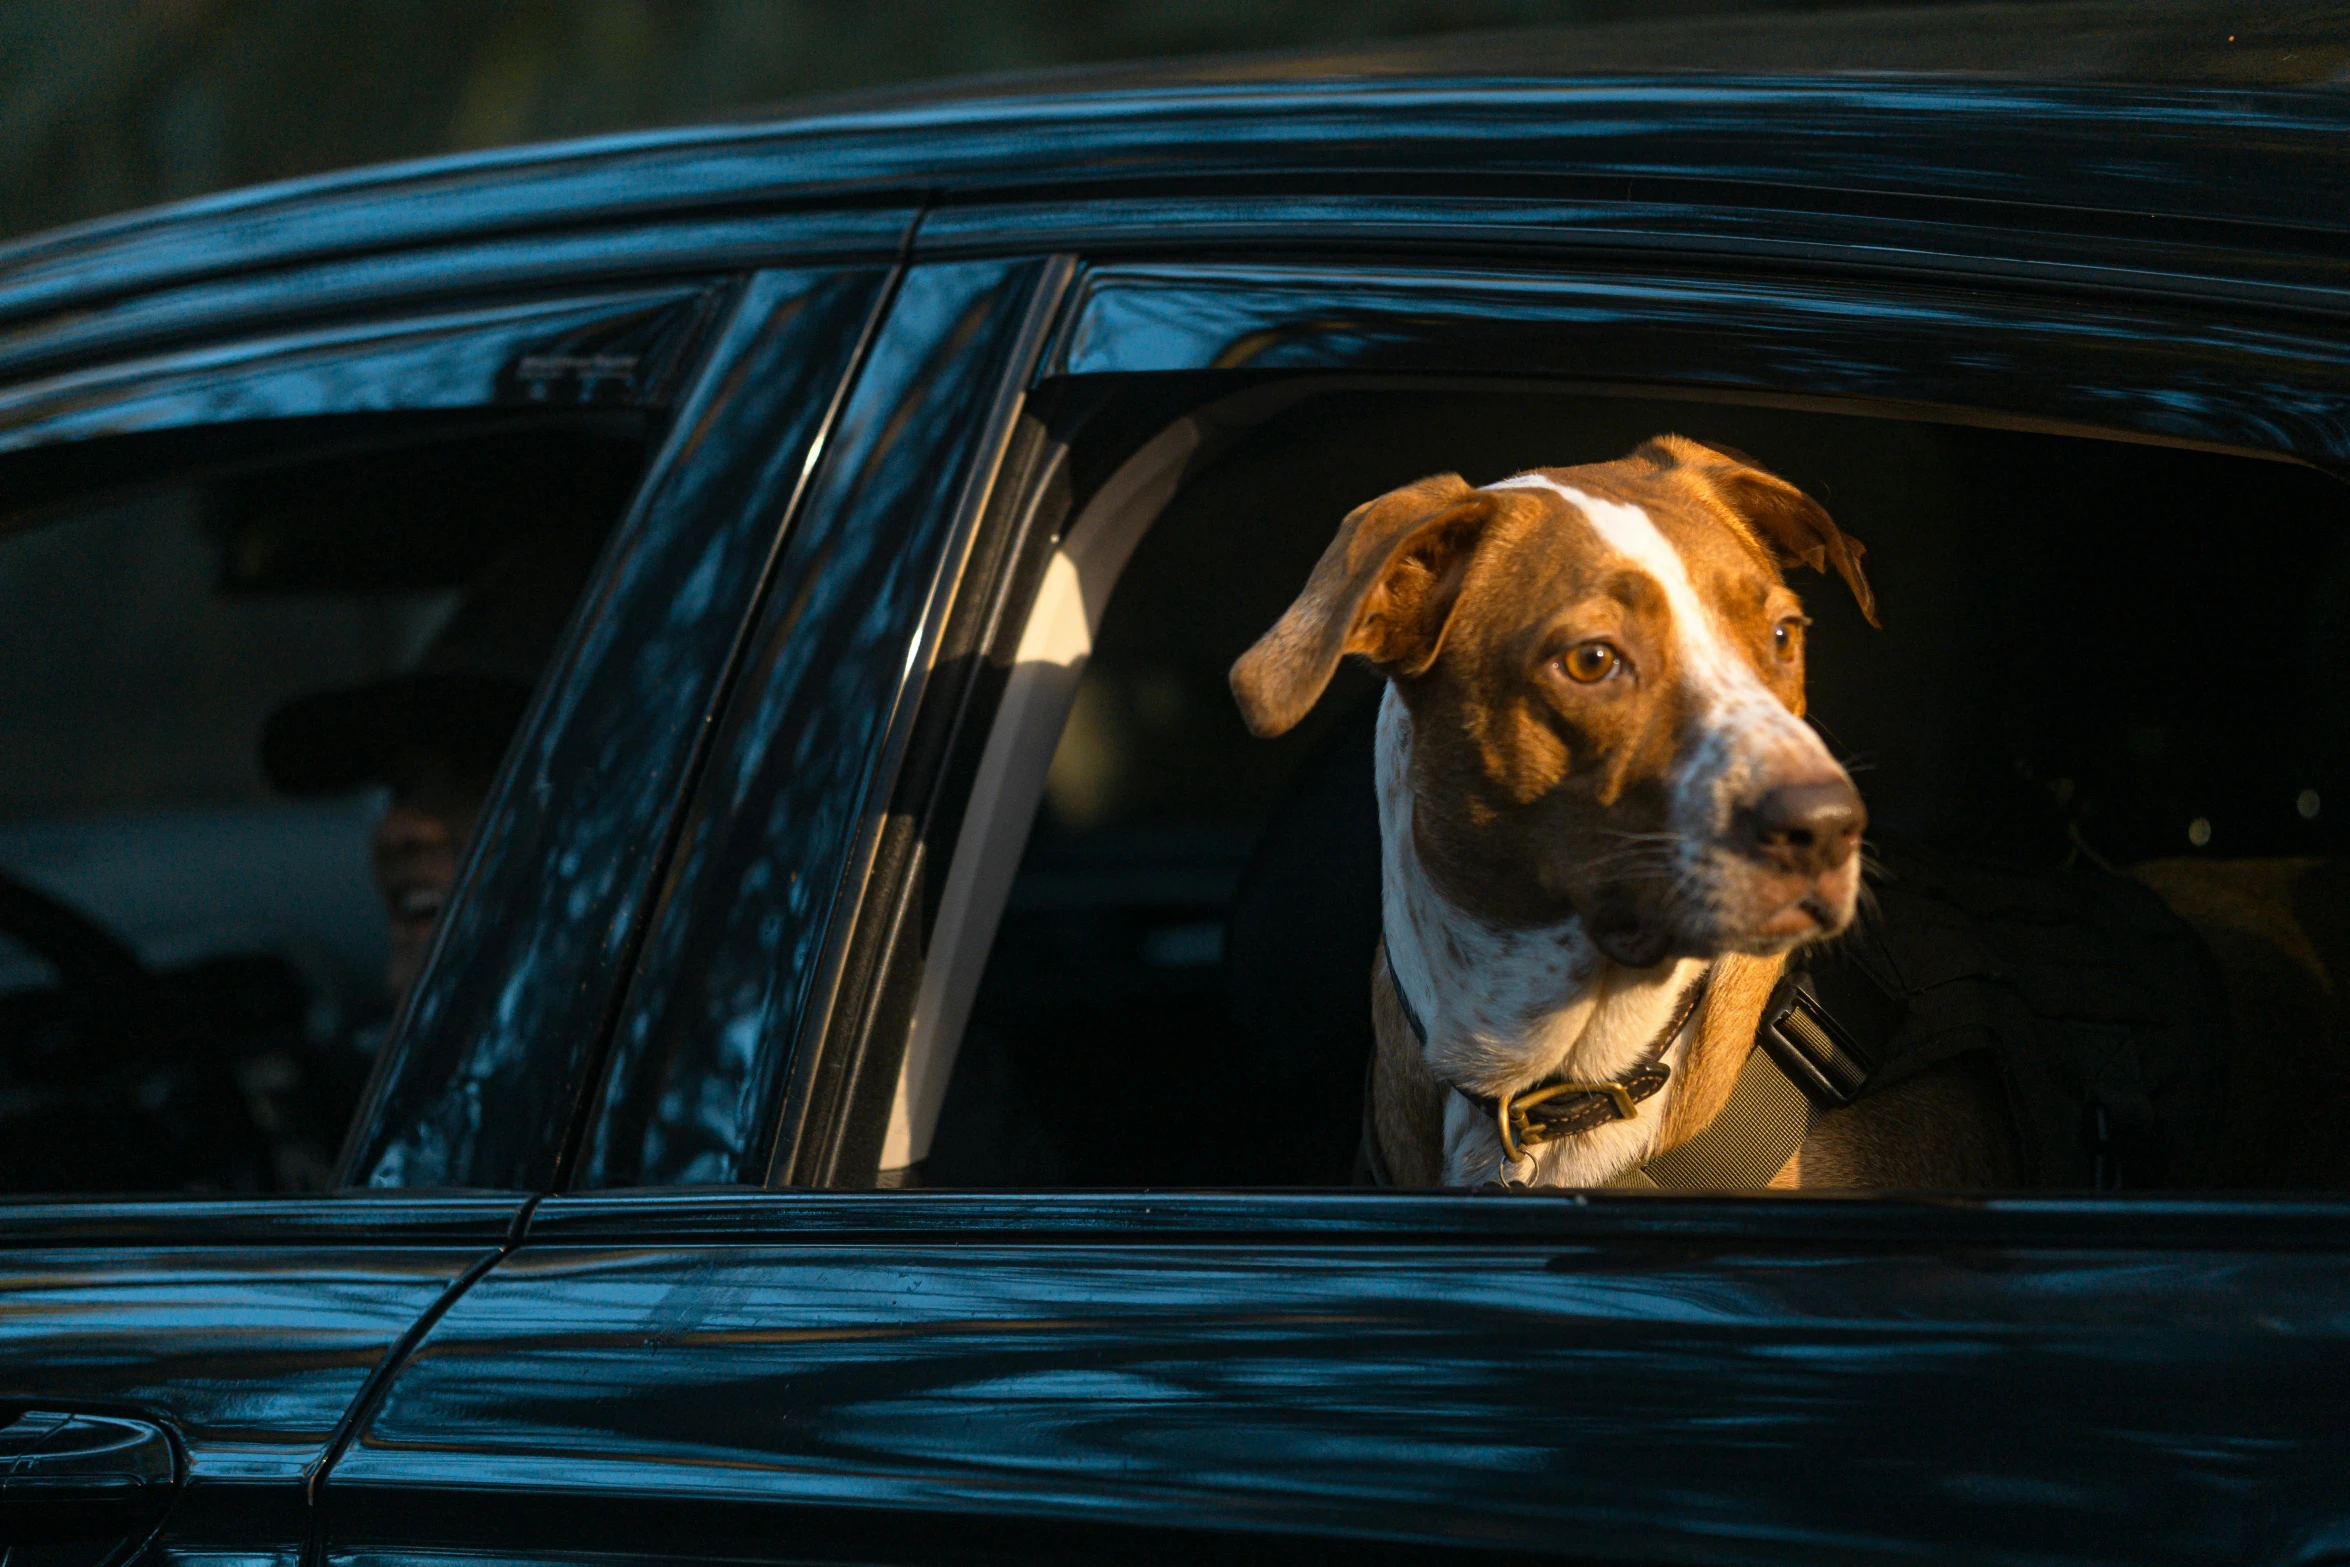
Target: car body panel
x,y
315,284
249,1328
1801,232
1606,1378
2172,165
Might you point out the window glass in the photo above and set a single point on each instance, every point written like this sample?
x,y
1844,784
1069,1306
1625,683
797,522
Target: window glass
x,y
2101,663
248,722
704,1053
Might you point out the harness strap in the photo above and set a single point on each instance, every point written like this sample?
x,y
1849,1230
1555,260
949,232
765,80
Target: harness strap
x,y
1757,1131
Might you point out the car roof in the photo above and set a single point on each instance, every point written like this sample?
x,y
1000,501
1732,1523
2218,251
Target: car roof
x,y
2271,162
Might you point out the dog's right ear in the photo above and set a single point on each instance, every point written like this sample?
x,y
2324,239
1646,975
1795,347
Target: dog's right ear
x,y
1385,588
1787,522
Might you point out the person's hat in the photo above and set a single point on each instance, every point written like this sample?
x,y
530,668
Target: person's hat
x,y
460,703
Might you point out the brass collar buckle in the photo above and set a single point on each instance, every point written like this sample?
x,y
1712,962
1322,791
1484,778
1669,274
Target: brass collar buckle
x,y
1588,1105
1520,1132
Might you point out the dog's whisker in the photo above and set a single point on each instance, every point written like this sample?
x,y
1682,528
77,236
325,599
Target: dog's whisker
x,y
1659,854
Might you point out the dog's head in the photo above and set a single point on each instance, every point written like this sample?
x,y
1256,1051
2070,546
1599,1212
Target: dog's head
x,y
1605,674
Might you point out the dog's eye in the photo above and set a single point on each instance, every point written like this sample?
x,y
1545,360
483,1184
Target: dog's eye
x,y
1590,662
1787,636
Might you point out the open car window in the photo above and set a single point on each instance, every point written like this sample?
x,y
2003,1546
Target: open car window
x,y
2110,669
253,712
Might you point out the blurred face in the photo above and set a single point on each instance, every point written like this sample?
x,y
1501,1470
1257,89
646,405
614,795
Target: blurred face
x,y
416,849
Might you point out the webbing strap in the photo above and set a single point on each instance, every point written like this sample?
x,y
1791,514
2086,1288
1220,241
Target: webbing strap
x,y
1751,1140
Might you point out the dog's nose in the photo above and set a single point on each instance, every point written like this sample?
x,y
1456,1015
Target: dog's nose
x,y
1810,827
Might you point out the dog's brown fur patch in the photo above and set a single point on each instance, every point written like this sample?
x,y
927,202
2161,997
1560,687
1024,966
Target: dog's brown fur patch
x,y
1734,1001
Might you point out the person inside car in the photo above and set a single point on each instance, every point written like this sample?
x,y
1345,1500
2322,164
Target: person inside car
x,y
432,736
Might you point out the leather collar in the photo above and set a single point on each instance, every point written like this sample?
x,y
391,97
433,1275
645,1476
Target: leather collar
x,y
1547,1111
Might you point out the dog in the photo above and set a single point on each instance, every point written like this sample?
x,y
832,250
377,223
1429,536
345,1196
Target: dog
x,y
1604,822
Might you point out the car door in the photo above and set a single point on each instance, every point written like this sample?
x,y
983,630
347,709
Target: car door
x,y
183,1366
927,1375
739,945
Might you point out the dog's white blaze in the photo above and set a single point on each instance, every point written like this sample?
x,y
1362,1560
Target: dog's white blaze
x,y
1740,720
1713,669
1508,1008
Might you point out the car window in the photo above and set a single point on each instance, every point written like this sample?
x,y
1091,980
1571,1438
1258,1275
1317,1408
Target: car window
x,y
704,1060
251,716
512,1018
2101,663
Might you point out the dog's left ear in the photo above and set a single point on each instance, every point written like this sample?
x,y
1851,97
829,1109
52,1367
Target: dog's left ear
x,y
1797,527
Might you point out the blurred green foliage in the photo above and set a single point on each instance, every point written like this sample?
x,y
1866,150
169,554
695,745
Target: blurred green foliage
x,y
107,104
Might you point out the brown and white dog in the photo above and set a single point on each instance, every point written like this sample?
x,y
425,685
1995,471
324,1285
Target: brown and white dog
x,y
1599,803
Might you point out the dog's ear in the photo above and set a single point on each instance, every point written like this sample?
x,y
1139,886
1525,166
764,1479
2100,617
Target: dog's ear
x,y
1796,527
1385,588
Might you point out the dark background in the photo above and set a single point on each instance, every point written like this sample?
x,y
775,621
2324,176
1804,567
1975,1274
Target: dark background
x,y
112,104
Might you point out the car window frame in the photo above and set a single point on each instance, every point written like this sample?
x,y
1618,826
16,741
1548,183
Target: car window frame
x,y
799,883
457,1030
408,361
1216,347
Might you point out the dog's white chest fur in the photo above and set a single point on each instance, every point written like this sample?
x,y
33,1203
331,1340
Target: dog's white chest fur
x,y
1507,1008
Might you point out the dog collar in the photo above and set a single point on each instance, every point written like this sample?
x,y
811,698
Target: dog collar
x,y
1544,1113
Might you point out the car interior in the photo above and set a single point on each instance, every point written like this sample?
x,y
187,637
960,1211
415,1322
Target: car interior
x,y
1150,966
193,961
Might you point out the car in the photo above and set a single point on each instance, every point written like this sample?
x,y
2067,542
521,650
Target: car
x,y
884,1082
